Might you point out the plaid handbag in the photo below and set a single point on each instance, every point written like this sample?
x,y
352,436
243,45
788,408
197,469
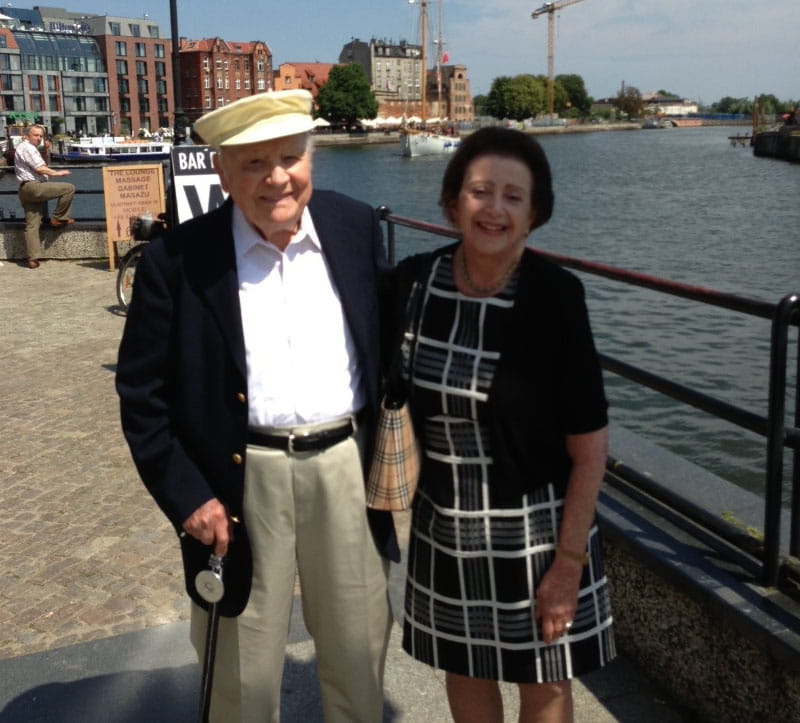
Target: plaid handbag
x,y
394,469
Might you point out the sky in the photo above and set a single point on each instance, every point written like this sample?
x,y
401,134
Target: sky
x,y
698,49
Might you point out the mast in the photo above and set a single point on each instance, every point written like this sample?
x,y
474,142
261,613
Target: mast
x,y
424,20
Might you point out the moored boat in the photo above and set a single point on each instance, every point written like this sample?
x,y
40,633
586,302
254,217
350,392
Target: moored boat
x,y
114,150
415,142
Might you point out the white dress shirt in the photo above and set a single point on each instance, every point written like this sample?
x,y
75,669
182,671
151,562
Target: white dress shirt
x,y
302,366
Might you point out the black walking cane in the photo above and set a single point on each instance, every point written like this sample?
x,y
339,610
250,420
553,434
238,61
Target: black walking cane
x,y
210,587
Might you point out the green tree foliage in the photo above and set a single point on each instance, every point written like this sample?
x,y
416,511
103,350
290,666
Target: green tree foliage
x,y
578,103
629,102
520,97
346,97
733,105
479,104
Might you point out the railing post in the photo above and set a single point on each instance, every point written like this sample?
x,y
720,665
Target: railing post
x,y
776,432
794,535
384,212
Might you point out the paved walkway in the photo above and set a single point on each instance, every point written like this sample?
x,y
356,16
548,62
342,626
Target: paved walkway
x,y
92,608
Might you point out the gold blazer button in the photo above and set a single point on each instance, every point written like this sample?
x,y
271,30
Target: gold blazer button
x,y
237,458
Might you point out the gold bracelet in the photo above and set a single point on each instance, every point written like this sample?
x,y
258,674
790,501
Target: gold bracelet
x,y
583,558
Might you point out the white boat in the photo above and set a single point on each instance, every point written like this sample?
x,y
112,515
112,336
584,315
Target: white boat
x,y
107,149
417,141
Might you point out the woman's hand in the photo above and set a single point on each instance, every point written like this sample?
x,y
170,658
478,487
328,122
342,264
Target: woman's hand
x,y
557,598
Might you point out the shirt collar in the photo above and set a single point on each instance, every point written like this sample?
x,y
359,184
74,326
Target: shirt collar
x,y
245,237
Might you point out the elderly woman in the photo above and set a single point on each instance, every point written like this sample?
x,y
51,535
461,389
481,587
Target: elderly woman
x,y
505,576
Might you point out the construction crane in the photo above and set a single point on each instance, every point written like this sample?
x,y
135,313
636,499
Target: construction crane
x,y
549,9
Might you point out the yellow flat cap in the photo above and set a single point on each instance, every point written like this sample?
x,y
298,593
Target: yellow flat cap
x,y
256,118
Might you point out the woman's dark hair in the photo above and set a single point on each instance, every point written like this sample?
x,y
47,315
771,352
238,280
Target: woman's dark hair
x,y
495,141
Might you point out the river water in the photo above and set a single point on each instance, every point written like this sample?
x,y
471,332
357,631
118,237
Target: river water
x,y
681,204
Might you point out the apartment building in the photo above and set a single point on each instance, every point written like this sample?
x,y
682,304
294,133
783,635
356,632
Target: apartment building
x,y
395,74
84,74
215,72
305,76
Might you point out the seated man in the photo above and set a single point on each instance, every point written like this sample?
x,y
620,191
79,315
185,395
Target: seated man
x,y
34,189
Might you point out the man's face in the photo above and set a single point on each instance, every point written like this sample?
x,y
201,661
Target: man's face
x,y
270,182
35,136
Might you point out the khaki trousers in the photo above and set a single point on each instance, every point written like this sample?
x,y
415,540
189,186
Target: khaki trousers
x,y
305,513
32,195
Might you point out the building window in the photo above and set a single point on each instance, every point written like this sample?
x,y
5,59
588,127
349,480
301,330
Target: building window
x,y
122,67
114,28
220,102
205,64
219,82
260,66
135,30
101,104
207,83
141,50
227,83
161,87
208,101
120,48
153,30
247,83
125,105
261,85
53,102
161,69
52,82
100,85
123,85
142,86
238,84
159,51
162,105
35,82
144,105
141,67
218,65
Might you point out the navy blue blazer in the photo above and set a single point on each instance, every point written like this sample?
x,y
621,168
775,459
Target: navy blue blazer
x,y
181,372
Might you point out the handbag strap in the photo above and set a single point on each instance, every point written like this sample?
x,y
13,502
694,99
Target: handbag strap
x,y
403,360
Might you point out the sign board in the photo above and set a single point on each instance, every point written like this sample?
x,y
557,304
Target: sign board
x,y
197,186
130,191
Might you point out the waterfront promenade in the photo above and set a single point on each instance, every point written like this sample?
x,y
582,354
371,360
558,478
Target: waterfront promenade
x,y
92,609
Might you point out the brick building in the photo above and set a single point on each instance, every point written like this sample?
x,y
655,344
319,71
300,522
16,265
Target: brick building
x,y
306,76
395,73
215,72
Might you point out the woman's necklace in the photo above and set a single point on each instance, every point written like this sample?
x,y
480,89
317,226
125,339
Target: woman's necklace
x,y
491,288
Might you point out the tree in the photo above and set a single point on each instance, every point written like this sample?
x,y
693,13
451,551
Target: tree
x,y
520,97
629,102
479,103
346,97
579,103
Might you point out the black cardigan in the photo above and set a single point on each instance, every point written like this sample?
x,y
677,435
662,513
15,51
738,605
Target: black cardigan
x,y
548,383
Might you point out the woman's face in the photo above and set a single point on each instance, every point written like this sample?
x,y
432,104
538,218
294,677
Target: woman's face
x,y
493,210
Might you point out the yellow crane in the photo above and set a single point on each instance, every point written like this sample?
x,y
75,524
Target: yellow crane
x,y
549,9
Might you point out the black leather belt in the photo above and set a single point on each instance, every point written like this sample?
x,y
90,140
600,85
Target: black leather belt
x,y
313,441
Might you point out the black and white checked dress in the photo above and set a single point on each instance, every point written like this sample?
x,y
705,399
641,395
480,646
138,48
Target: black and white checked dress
x,y
474,561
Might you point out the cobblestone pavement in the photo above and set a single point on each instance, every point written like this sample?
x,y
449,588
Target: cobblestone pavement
x,y
84,551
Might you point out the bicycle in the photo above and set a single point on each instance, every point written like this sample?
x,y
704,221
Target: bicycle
x,y
142,229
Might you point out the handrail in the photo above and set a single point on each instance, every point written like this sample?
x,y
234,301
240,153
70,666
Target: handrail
x,y
772,426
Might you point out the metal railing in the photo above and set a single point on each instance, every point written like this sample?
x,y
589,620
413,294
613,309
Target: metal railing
x,y
778,435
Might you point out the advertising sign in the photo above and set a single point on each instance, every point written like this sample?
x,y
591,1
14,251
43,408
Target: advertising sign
x,y
130,191
197,186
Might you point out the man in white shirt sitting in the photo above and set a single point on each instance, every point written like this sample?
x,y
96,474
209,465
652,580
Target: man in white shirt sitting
x,y
34,189
249,375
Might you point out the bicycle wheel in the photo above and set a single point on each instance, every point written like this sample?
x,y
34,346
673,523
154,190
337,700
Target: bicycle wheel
x,y
127,270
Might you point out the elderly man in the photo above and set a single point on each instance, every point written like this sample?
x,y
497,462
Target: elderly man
x,y
248,377
34,189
